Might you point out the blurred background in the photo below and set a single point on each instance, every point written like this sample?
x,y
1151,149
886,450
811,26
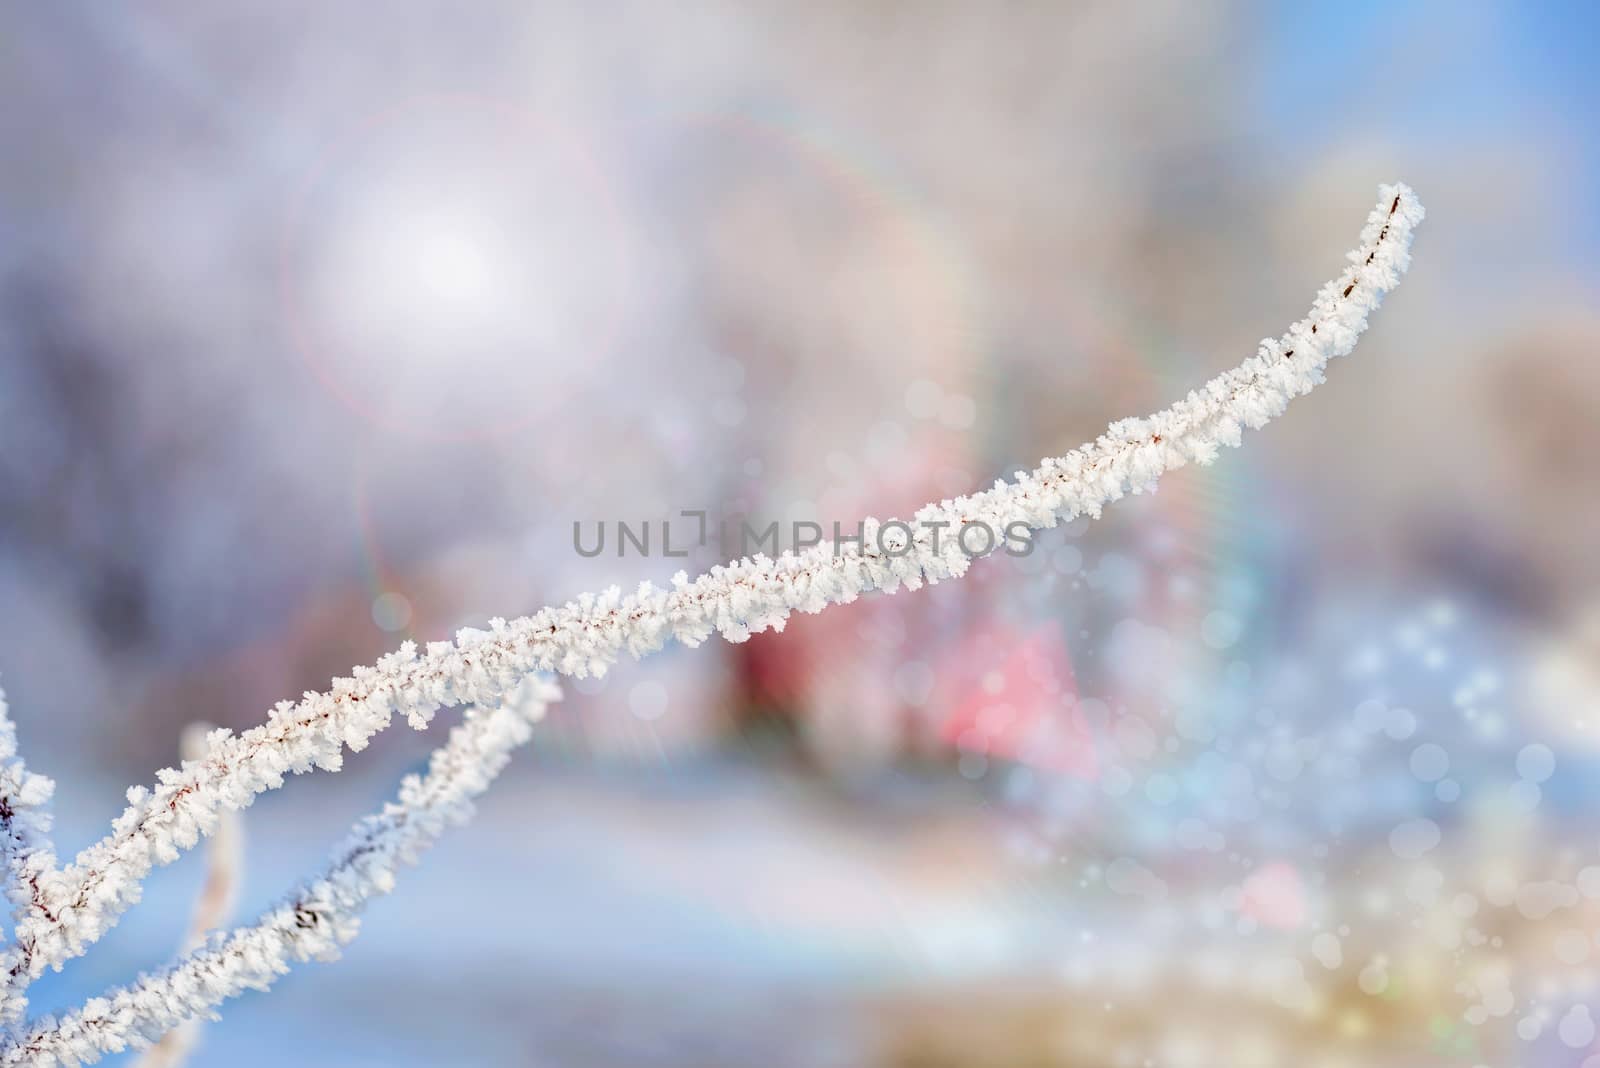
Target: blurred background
x,y
320,326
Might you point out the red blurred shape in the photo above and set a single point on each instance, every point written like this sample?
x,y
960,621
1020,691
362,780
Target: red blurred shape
x,y
1019,701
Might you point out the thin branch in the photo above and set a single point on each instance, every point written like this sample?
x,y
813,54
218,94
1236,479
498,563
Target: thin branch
x,y
213,907
74,906
315,920
25,848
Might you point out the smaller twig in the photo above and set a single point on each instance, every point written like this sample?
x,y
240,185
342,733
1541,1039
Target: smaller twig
x,y
26,852
212,908
314,921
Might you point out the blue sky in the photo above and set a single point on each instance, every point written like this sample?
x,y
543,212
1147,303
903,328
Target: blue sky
x,y
1435,74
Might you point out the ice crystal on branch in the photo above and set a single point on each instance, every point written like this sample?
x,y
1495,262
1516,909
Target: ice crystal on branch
x,y
212,909
313,921
59,912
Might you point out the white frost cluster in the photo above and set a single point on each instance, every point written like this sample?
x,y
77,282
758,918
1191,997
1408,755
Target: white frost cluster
x,y
213,908
59,912
25,851
314,921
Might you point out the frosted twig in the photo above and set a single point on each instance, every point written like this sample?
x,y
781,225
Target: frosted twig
x,y
212,907
62,911
584,636
25,847
314,921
